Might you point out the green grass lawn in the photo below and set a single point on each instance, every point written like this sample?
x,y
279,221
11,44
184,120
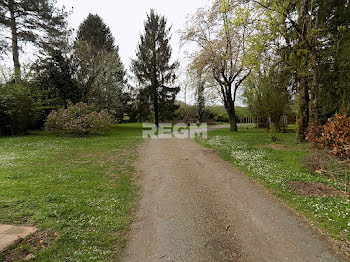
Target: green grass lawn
x,y
275,167
83,189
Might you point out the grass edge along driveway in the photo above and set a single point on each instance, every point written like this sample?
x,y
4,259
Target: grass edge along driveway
x,y
252,152
82,188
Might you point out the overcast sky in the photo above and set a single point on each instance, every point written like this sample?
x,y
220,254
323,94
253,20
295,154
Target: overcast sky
x,y
126,18
126,21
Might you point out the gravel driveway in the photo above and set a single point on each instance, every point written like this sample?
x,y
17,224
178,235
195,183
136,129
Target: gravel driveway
x,y
195,207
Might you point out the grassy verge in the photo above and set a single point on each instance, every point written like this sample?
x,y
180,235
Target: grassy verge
x,y
81,188
275,166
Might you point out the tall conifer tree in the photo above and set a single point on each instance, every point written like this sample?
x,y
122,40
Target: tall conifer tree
x,y
153,67
100,70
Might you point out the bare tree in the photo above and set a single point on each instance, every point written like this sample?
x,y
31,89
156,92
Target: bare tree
x,y
224,35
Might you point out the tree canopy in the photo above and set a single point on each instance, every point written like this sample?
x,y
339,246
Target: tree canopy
x,y
100,70
38,22
226,40
153,67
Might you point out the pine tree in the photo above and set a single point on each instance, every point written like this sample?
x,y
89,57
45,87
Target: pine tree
x,y
30,21
96,33
100,71
153,68
55,77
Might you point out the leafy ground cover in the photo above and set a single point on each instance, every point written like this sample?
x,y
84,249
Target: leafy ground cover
x,y
81,188
279,166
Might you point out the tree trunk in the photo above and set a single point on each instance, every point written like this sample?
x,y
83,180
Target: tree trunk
x,y
314,119
156,107
155,97
303,68
200,101
230,106
233,120
15,52
303,114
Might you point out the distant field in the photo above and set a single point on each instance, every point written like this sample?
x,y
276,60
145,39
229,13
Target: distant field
x,y
83,189
277,166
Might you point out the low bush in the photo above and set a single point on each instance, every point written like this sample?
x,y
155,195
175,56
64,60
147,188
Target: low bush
x,y
335,135
314,135
318,160
221,118
273,133
80,119
16,108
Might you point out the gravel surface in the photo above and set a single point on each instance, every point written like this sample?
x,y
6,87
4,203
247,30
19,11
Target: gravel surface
x,y
195,207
